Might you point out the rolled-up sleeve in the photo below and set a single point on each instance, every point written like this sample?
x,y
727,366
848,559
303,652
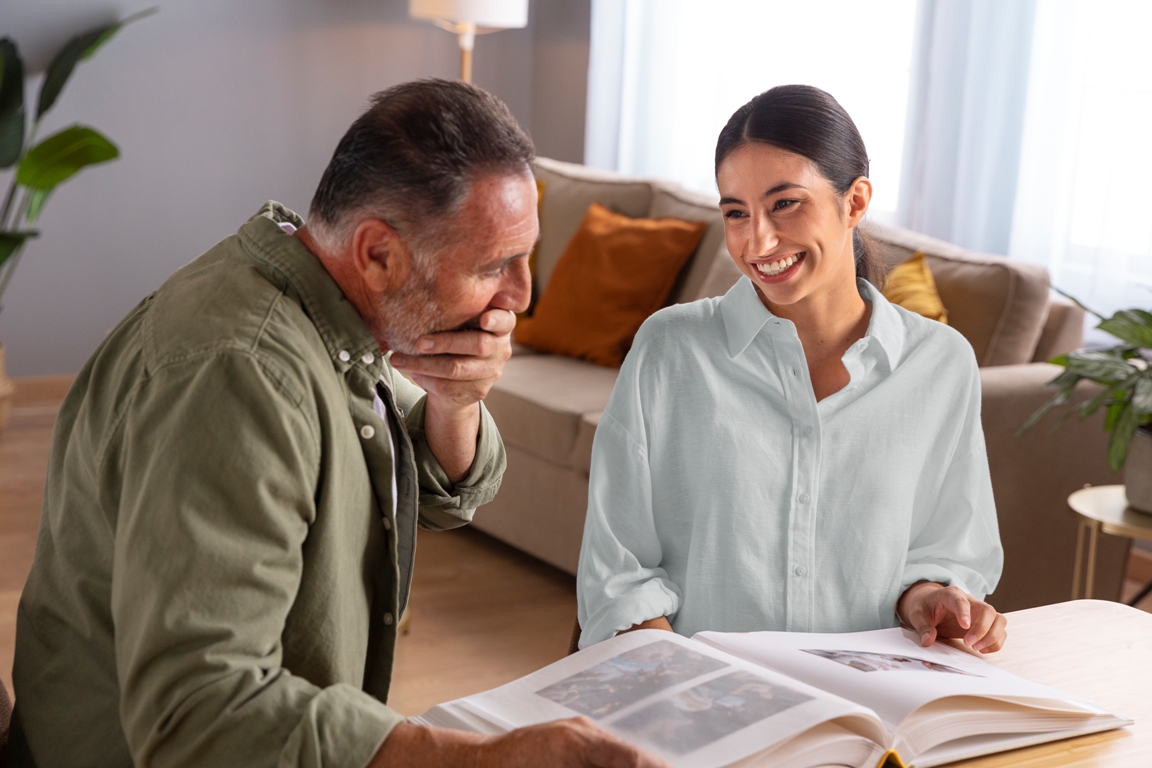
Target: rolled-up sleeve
x,y
444,504
220,476
620,581
958,542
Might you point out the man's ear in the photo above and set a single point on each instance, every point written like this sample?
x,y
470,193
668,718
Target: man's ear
x,y
381,258
859,198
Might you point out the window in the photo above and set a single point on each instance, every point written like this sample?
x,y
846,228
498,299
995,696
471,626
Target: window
x,y
667,74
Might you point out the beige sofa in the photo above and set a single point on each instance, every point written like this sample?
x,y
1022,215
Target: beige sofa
x,y
547,406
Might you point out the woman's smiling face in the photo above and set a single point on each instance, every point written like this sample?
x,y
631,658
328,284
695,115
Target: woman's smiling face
x,y
785,225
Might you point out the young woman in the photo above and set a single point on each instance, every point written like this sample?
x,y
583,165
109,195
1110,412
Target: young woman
x,y
799,454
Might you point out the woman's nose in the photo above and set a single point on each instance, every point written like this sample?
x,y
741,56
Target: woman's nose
x,y
763,237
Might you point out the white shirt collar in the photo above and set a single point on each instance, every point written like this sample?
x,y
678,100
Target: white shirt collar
x,y
745,316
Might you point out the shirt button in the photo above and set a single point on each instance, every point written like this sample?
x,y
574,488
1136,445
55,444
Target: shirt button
x,y
800,571
367,431
387,524
368,358
388,619
807,431
344,355
805,498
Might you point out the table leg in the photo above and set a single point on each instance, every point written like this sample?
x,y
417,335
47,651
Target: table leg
x,y
1078,568
1093,534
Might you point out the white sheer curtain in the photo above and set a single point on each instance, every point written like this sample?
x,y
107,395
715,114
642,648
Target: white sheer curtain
x,y
966,113
1082,204
667,74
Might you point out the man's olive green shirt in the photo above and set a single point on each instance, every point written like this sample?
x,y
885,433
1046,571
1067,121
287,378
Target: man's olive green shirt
x,y
219,571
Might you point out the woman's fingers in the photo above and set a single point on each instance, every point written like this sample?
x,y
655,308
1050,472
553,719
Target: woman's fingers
x,y
994,639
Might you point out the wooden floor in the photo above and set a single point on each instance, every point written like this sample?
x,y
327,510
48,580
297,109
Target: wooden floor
x,y
482,613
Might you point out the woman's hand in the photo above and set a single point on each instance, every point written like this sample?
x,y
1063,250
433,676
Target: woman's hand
x,y
657,623
934,611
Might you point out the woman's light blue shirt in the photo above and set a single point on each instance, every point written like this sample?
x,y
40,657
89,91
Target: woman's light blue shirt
x,y
723,496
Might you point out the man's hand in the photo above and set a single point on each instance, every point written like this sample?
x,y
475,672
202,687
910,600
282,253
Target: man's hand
x,y
936,611
575,743
457,369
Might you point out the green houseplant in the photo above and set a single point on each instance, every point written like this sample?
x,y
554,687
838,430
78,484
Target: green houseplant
x,y
40,166
1124,373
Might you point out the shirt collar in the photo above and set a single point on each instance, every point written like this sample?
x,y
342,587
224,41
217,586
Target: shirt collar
x,y
296,269
745,316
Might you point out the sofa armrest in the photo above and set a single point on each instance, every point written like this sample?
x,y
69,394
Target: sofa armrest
x,y
1063,330
1032,475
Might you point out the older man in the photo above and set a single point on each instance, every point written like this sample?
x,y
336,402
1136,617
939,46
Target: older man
x,y
238,472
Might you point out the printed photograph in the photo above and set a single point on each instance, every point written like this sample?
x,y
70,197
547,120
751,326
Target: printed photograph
x,y
708,712
623,680
866,661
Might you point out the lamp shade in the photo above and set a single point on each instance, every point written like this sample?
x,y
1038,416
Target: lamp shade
x,y
499,14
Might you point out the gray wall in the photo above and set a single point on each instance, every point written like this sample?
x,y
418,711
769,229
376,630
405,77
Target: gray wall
x,y
220,105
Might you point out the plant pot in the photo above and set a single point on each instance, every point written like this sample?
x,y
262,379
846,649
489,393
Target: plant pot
x,y
7,390
1138,471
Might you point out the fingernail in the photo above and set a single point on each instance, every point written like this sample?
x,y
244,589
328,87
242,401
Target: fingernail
x,y
399,359
424,345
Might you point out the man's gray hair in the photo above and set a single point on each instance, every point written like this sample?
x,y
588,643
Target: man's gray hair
x,y
411,158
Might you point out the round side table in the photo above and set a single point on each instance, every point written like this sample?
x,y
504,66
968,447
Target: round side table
x,y
1104,509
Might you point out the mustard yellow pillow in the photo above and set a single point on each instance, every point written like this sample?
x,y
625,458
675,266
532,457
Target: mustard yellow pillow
x,y
911,286
615,272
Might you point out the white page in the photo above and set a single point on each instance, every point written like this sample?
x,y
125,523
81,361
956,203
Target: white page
x,y
693,705
887,670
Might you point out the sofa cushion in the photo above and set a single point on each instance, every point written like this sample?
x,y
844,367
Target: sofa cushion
x,y
722,274
570,190
910,285
540,403
613,275
998,304
673,201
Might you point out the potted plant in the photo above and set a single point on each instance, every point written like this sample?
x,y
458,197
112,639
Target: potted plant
x,y
40,166
1126,377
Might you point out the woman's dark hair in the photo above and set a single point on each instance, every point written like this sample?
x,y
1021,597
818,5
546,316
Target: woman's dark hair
x,y
810,123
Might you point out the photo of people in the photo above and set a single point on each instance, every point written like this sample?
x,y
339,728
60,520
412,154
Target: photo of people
x,y
708,712
623,680
866,661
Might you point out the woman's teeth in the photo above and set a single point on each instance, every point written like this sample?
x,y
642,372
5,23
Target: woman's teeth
x,y
776,267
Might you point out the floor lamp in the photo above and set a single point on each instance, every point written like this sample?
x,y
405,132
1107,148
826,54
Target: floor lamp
x,y
468,18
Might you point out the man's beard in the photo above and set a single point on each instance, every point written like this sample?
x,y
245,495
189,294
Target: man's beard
x,y
412,313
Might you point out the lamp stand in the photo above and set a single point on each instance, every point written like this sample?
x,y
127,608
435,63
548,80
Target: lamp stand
x,y
466,33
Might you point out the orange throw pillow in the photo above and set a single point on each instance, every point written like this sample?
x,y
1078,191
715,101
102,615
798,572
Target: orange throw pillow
x,y
615,272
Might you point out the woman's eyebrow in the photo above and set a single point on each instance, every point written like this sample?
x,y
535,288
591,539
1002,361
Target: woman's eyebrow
x,y
769,193
782,187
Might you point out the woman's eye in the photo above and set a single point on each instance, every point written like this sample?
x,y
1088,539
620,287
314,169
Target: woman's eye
x,y
782,204
734,214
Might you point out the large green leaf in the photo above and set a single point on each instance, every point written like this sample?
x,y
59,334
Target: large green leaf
x,y
75,50
1132,326
63,154
1121,439
10,242
1102,366
11,104
1142,394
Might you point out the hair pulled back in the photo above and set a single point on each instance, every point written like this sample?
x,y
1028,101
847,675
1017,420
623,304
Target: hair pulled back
x,y
809,122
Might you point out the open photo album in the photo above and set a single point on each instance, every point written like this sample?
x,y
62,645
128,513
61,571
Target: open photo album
x,y
786,699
